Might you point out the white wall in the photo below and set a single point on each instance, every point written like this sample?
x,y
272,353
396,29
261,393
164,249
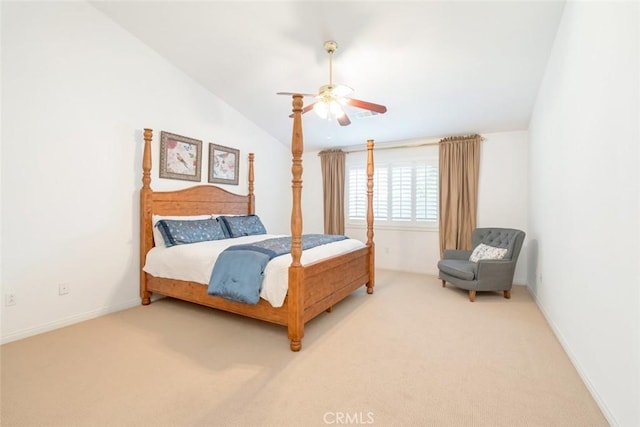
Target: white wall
x,y
502,202
584,209
312,205
503,187
77,92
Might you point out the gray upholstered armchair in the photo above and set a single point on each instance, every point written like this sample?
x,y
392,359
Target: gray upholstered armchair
x,y
485,274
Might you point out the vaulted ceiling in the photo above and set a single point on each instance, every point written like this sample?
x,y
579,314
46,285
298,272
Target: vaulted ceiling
x,y
441,68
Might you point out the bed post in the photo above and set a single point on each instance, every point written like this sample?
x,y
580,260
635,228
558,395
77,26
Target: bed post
x,y
295,303
370,243
146,238
252,200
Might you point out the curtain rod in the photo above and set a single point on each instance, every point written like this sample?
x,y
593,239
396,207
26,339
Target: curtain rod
x,y
389,146
357,148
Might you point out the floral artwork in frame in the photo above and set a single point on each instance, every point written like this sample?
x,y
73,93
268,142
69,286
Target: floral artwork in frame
x,y
224,164
180,157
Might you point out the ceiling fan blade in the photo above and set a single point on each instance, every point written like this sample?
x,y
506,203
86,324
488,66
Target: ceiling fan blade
x,y
305,109
344,120
295,93
380,109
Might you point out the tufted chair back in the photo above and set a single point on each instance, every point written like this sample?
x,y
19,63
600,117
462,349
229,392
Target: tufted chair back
x,y
500,238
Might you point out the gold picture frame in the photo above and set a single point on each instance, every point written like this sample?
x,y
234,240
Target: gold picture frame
x,y
180,157
224,164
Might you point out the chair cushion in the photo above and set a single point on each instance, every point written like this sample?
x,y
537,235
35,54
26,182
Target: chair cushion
x,y
462,269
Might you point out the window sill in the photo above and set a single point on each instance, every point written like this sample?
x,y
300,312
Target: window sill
x,y
397,227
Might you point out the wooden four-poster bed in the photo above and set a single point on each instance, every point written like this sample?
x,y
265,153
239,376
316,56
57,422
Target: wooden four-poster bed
x,y
312,288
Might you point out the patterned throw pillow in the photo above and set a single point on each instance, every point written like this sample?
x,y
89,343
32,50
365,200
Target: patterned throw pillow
x,y
180,232
242,225
483,251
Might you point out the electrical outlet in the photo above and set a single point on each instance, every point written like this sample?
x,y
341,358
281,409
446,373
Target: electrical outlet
x,y
63,289
10,298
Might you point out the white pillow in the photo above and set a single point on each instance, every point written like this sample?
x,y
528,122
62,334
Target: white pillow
x,y
483,251
157,235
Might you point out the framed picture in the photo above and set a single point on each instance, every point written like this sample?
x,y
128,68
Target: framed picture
x,y
224,163
180,157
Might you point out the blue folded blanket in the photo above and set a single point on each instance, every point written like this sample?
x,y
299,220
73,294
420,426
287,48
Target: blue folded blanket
x,y
239,270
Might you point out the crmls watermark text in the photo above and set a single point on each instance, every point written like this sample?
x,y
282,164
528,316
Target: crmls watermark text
x,y
344,418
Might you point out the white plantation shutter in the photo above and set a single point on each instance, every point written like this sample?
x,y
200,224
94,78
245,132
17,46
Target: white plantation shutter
x,y
357,201
380,198
357,193
426,193
405,188
401,193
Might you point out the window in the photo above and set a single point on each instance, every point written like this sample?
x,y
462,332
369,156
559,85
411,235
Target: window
x,y
405,190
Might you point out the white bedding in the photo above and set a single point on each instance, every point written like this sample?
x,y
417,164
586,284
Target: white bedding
x,y
194,262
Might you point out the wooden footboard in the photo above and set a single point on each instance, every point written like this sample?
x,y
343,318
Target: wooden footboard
x,y
321,285
324,284
330,281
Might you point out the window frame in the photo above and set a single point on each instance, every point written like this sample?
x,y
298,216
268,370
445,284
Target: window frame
x,y
399,159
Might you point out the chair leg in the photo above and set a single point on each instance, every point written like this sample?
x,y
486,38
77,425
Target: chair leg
x,y
472,296
444,283
507,294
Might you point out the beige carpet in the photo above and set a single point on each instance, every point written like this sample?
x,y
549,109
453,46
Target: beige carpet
x,y
411,354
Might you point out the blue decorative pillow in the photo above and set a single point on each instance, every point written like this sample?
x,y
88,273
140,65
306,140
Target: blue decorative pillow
x,y
242,225
180,232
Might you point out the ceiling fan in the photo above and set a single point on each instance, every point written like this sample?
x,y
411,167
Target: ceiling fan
x,y
331,99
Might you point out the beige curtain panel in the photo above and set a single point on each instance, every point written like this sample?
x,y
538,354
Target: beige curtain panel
x,y
332,163
459,168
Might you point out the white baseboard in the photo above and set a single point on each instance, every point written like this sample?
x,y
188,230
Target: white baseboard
x,y
581,372
76,318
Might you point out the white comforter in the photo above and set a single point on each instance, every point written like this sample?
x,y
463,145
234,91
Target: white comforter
x,y
194,262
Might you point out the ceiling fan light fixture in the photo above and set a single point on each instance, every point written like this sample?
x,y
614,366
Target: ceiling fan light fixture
x,y
328,109
336,109
321,108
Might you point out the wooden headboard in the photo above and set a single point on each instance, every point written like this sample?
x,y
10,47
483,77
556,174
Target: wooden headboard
x,y
196,200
